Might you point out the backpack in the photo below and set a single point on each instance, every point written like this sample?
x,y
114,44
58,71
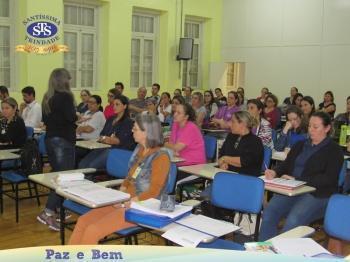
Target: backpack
x,y
31,162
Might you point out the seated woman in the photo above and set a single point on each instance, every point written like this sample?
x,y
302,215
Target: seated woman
x,y
271,112
109,109
210,107
297,99
222,118
186,140
177,100
307,105
197,104
83,106
342,119
148,173
262,127
308,161
164,108
151,106
116,132
294,130
220,99
13,132
92,121
328,105
242,151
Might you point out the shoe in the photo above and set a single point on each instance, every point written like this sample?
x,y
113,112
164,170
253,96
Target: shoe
x,y
48,220
67,216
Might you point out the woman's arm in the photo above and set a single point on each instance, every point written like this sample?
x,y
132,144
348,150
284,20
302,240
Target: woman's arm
x,y
177,147
85,129
159,176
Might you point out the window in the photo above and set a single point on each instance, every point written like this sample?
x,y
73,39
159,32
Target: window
x,y
143,49
80,35
190,69
6,59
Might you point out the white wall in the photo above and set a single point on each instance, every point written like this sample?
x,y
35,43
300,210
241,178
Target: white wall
x,y
305,43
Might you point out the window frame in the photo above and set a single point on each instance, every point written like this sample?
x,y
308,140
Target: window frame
x,y
80,30
146,36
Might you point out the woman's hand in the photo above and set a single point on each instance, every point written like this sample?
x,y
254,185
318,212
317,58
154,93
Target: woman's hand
x,y
288,177
287,127
223,166
270,174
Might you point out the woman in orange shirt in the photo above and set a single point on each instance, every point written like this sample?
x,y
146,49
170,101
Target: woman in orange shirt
x,y
148,172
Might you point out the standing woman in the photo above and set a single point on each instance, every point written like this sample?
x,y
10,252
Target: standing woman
x,y
59,116
197,104
210,107
328,105
307,105
261,127
271,112
83,106
12,129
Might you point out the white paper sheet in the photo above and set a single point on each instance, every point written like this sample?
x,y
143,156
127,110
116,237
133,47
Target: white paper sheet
x,y
70,177
184,236
298,246
208,225
152,206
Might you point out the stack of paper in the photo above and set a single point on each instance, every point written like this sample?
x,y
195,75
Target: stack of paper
x,y
152,206
64,177
97,194
287,184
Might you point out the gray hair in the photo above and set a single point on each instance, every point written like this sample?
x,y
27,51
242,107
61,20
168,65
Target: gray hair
x,y
150,123
58,82
245,117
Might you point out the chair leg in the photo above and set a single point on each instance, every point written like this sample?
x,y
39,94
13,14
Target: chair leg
x,y
257,226
29,189
36,194
17,200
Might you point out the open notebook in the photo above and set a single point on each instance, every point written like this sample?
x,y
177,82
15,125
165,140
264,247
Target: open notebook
x,y
283,183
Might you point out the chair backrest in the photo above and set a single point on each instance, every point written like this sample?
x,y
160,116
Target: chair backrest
x,y
210,147
336,221
238,192
30,131
42,146
267,158
342,175
274,135
171,182
117,162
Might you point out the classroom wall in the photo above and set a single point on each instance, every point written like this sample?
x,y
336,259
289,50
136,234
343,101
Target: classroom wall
x,y
290,42
115,42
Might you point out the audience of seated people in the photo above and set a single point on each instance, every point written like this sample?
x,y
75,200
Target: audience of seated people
x,y
309,160
293,131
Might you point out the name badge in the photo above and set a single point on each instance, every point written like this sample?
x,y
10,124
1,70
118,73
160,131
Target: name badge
x,y
136,172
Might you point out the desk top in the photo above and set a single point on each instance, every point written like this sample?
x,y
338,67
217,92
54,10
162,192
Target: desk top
x,y
46,179
298,191
8,154
91,144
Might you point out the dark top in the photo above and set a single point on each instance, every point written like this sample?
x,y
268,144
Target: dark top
x,y
287,101
320,171
82,108
122,130
321,106
250,149
60,122
13,134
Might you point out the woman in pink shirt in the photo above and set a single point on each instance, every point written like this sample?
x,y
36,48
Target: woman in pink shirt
x,y
186,139
109,109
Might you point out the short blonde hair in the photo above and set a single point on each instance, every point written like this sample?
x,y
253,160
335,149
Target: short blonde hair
x,y
244,117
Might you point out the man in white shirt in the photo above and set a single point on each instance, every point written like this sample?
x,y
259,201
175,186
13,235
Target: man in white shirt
x,y
30,110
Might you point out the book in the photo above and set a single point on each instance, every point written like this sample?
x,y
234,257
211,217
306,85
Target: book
x,y
260,247
283,183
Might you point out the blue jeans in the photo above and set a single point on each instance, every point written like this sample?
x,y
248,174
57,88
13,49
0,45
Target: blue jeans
x,y
95,159
298,211
61,154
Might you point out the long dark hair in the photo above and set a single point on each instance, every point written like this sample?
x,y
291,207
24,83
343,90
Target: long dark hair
x,y
98,100
125,101
303,124
189,111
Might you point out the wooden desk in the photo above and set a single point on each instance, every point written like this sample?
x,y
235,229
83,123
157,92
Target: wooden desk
x,y
91,144
208,171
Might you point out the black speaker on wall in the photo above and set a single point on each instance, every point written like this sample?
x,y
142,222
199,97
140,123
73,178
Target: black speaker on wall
x,y
185,49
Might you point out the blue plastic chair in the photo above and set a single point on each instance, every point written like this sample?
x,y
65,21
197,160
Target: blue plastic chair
x,y
210,147
336,223
267,158
239,193
30,131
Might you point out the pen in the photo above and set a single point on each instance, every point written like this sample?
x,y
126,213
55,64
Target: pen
x,y
265,166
